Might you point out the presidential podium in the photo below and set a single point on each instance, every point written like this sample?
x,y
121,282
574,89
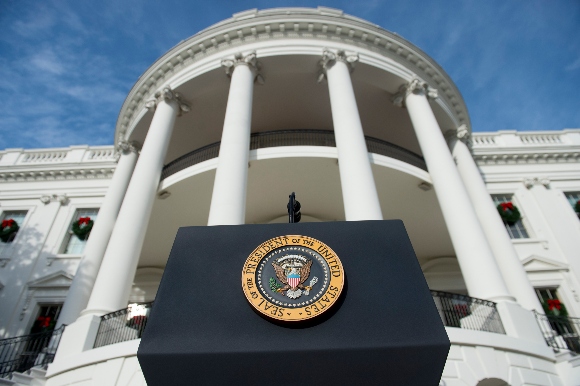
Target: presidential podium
x,y
383,329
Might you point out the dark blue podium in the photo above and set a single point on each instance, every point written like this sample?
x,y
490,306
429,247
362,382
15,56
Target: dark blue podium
x,y
384,329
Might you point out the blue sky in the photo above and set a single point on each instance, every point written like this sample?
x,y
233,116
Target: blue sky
x,y
66,66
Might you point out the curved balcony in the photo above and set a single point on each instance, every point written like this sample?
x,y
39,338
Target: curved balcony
x,y
456,310
468,313
293,138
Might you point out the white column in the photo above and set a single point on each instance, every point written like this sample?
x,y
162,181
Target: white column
x,y
505,255
84,279
115,278
228,200
478,266
359,192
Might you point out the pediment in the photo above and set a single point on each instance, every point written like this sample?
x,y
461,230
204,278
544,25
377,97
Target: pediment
x,y
536,263
60,279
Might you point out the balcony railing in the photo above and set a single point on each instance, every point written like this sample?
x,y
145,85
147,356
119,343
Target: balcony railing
x,y
466,312
123,325
293,138
24,352
455,311
560,332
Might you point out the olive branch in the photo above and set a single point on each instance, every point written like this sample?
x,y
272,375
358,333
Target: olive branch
x,y
274,285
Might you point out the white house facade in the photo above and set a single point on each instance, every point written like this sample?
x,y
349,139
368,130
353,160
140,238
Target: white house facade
x,y
356,120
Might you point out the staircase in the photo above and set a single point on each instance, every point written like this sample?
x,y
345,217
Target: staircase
x,y
23,359
35,376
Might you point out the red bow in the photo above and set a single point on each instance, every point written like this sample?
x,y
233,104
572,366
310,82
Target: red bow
x,y
84,220
139,319
554,303
44,321
8,223
507,205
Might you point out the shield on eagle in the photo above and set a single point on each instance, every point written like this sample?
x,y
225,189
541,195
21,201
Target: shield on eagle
x,y
293,278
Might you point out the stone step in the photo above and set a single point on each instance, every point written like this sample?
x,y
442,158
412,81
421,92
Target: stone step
x,y
21,379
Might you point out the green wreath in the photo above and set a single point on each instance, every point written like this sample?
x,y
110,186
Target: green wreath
x,y
554,307
577,207
82,227
509,213
8,228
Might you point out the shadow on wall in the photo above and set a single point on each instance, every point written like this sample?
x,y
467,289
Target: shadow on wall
x,y
22,263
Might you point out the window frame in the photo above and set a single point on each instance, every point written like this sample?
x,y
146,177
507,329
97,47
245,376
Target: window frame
x,y
518,231
21,225
7,249
75,214
576,198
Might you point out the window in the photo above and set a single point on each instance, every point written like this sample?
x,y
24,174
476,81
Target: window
x,y
545,294
73,245
46,319
517,230
18,216
573,198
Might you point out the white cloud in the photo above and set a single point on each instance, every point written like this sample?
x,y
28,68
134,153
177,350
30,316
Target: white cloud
x,y
574,65
36,22
47,60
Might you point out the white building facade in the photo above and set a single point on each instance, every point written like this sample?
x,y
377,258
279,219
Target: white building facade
x,y
362,125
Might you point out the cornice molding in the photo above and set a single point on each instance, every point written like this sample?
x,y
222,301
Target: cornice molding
x,y
503,158
259,26
56,174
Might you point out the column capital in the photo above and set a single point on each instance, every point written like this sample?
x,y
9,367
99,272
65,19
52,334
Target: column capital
x,y
331,56
62,199
249,59
126,147
461,133
530,182
167,94
415,86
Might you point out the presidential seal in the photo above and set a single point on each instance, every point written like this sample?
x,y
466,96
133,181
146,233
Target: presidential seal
x,y
292,278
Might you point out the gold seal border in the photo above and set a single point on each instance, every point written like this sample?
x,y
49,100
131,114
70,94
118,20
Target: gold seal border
x,y
274,311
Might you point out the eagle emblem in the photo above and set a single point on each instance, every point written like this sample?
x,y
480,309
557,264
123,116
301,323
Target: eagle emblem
x,y
292,271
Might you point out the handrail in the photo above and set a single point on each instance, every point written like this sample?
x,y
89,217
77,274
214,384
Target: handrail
x,y
560,332
123,325
469,313
21,353
293,138
455,310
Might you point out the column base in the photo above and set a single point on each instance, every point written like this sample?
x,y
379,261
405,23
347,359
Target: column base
x,y
519,322
78,337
